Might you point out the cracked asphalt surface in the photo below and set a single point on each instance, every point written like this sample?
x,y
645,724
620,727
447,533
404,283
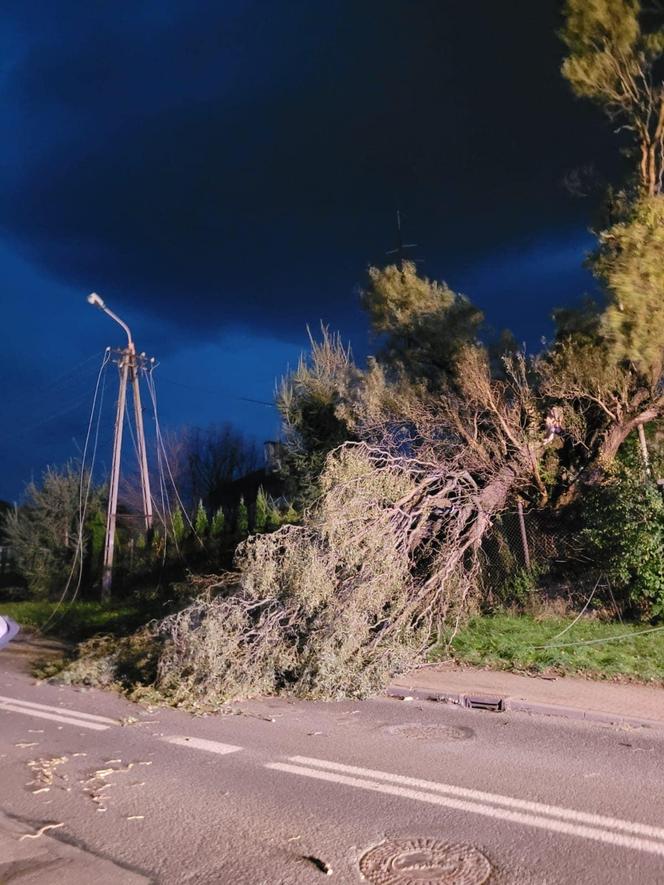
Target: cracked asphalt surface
x,y
262,794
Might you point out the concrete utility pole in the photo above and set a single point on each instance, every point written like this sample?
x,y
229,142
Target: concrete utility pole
x,y
129,363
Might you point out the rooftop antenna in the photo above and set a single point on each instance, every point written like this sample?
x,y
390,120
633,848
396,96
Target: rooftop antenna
x,y
401,248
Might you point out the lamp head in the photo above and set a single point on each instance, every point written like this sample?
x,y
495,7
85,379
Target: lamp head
x,y
95,300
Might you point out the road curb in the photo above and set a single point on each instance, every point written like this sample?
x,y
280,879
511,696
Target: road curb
x,y
505,703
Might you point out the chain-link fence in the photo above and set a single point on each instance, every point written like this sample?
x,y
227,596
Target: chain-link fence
x,y
5,560
525,549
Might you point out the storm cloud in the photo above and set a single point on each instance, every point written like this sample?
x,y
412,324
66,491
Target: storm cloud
x,y
224,173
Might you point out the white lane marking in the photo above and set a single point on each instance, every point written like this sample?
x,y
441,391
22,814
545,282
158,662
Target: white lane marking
x,y
44,714
18,702
201,744
584,817
544,823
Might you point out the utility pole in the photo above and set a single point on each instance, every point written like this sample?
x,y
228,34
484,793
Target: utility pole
x,y
111,516
129,364
134,370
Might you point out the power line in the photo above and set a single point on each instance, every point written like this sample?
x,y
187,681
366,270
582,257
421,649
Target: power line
x,y
219,390
160,443
84,500
76,404
63,380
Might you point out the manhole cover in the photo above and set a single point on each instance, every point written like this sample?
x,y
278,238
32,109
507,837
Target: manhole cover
x,y
424,862
426,731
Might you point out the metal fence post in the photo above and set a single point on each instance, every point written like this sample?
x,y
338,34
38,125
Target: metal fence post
x,y
524,536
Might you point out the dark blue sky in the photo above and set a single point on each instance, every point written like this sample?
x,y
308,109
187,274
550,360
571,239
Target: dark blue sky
x,y
223,173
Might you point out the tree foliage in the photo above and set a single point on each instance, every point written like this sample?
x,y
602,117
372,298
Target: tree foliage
x,y
311,403
205,461
604,370
45,532
614,47
630,266
623,534
423,324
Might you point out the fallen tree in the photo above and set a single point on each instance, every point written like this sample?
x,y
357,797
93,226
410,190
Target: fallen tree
x,y
389,554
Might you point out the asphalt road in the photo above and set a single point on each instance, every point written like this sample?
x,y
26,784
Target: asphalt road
x,y
280,792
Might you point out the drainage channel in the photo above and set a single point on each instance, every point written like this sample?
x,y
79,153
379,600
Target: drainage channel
x,y
484,702
491,703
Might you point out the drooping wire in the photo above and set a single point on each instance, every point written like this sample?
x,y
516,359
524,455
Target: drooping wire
x,y
75,370
166,506
580,614
599,641
163,490
162,459
83,500
160,444
167,512
61,380
222,392
71,407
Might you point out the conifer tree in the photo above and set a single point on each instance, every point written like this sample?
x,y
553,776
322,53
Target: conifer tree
x,y
218,523
177,525
242,521
273,520
290,516
201,523
261,511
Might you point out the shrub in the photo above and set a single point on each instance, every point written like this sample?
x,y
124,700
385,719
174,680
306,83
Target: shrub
x,y
624,536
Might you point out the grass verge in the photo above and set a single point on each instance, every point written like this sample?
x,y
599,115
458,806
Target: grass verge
x,y
76,621
509,642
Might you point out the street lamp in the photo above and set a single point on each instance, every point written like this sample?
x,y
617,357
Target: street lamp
x,y
128,371
96,301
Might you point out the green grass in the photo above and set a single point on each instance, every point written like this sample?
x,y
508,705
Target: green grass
x,y
509,642
76,621
500,641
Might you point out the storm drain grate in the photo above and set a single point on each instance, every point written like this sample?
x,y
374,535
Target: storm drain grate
x,y
424,862
484,702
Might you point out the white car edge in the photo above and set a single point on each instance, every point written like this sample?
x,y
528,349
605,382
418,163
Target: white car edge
x,y
8,630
